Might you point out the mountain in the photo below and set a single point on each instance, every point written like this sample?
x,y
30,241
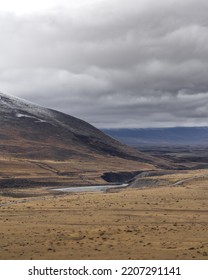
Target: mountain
x,y
31,131
43,146
161,136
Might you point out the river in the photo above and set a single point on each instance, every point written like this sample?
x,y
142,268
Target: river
x,y
98,188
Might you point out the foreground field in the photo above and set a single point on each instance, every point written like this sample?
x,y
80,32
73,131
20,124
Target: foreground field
x,y
167,222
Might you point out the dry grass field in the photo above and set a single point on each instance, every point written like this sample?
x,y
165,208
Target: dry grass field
x,y
34,173
164,222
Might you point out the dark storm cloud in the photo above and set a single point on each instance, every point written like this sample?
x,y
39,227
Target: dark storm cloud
x,y
115,63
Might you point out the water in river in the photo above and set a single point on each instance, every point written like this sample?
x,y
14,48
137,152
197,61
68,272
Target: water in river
x,y
102,188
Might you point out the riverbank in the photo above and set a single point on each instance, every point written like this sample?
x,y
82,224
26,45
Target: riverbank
x,y
169,222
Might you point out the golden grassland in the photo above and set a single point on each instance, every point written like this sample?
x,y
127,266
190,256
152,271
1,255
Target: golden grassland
x,y
70,172
166,222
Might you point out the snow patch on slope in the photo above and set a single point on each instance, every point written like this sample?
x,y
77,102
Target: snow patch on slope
x,y
24,108
30,117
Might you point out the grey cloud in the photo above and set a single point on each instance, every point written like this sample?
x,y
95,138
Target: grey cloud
x,y
116,63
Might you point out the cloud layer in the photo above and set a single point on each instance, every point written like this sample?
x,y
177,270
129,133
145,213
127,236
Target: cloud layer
x,y
114,63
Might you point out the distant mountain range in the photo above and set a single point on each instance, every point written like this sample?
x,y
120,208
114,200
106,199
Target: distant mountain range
x,y
161,136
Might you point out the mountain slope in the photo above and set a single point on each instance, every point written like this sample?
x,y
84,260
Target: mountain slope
x,y
48,147
31,131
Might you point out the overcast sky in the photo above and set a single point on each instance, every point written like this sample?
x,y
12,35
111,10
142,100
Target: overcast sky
x,y
113,63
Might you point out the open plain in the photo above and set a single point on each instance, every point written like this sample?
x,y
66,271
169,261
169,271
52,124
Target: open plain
x,y
168,221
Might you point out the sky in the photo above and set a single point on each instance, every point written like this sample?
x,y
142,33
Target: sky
x,y
112,63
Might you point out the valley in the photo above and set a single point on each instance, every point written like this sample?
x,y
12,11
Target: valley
x,y
161,213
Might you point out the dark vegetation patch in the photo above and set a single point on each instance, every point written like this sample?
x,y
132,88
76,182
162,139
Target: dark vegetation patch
x,y
119,177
